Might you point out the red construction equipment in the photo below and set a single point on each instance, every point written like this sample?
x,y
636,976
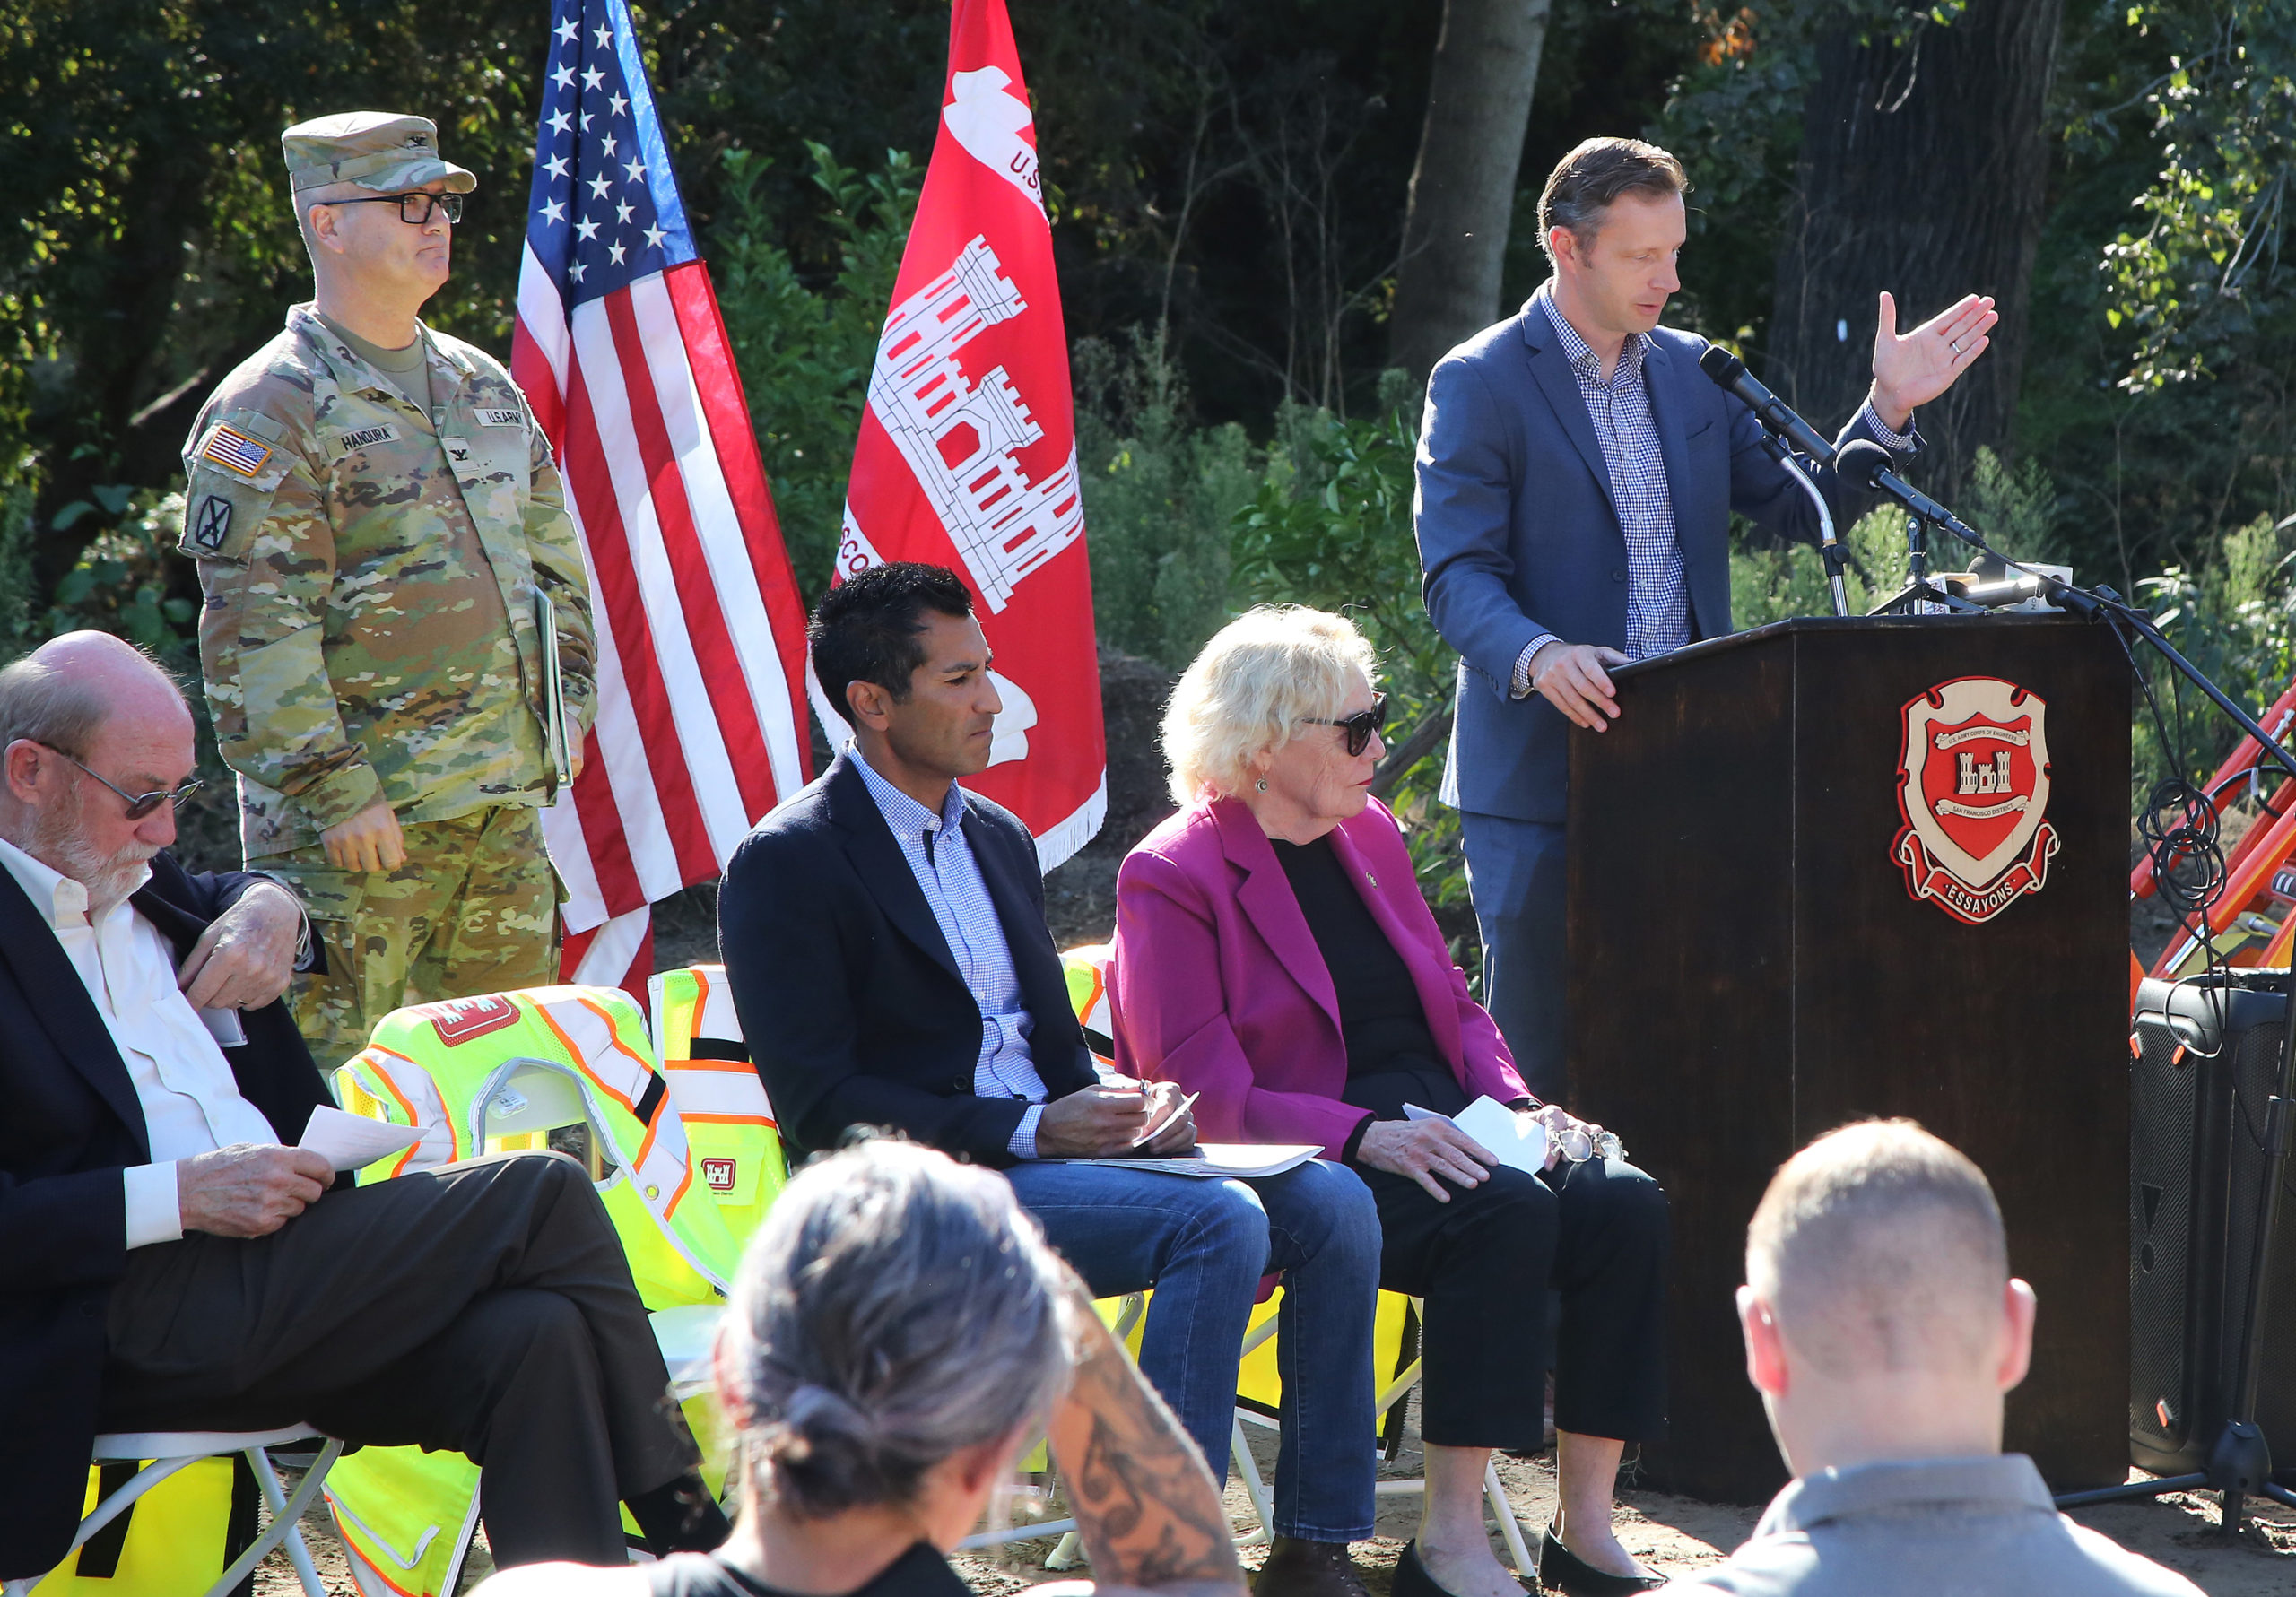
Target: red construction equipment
x,y
2254,920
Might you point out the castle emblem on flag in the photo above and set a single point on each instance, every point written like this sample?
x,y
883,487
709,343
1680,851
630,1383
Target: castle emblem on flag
x,y
961,437
1973,783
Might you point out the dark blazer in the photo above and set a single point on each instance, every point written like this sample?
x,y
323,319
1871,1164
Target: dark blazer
x,y
1518,533
69,1124
849,998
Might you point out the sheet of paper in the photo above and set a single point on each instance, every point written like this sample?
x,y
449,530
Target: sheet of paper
x,y
352,1142
1516,1140
1219,1162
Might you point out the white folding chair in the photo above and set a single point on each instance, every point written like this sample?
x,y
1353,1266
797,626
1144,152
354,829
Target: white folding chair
x,y
170,1450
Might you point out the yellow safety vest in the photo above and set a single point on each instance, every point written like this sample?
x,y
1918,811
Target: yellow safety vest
x,y
172,1541
729,1123
438,1067
406,1515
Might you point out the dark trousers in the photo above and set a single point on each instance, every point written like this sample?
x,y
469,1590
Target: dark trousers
x,y
1596,1233
1519,872
486,1308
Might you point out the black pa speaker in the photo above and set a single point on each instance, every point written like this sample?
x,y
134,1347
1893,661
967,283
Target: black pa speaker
x,y
2205,1063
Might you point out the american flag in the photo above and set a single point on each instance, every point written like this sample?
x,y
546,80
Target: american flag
x,y
702,634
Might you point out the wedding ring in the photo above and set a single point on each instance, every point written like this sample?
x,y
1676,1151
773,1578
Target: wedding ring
x,y
1956,345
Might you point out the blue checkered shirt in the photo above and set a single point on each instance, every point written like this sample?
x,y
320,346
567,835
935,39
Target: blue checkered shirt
x,y
942,861
1658,595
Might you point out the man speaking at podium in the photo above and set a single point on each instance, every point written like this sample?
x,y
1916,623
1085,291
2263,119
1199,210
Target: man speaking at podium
x,y
1577,473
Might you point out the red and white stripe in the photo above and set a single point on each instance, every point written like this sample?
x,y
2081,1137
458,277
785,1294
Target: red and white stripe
x,y
700,626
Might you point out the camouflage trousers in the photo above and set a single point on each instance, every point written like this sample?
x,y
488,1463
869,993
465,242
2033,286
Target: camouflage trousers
x,y
474,909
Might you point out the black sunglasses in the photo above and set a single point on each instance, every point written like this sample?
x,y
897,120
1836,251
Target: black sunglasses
x,y
1361,726
139,804
415,206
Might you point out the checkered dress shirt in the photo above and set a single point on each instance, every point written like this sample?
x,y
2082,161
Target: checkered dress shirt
x,y
1658,595
942,861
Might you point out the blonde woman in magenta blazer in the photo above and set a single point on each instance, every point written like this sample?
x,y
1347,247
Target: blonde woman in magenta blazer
x,y
1273,954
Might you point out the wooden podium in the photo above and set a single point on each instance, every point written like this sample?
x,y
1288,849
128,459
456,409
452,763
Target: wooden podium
x,y
1767,942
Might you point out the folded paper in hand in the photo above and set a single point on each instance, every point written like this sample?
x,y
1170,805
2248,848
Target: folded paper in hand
x,y
1516,1140
352,1142
1221,1161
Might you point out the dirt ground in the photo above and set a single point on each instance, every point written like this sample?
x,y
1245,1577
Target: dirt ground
x,y
1672,1535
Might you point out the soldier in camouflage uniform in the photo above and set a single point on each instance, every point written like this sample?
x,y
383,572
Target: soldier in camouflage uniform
x,y
374,513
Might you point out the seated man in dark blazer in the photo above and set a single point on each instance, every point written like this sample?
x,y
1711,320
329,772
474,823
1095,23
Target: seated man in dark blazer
x,y
168,1260
883,935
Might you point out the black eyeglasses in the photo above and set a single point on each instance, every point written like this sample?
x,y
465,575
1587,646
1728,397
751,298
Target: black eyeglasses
x,y
1360,726
139,804
415,206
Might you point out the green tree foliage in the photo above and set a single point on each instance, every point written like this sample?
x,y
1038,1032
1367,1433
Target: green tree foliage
x,y
2207,267
1160,497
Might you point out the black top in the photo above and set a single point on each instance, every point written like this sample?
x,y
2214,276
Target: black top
x,y
1382,1019
920,1572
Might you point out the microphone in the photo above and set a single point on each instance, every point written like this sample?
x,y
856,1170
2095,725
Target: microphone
x,y
1730,372
1870,466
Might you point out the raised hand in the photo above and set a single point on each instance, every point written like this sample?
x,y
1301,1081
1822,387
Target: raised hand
x,y
1909,372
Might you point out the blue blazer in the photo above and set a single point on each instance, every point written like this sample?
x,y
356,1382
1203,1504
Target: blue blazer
x,y
1518,533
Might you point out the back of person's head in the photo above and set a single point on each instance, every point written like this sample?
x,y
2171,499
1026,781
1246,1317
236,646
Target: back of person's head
x,y
895,1308
867,628
1880,1251
1247,693
1588,182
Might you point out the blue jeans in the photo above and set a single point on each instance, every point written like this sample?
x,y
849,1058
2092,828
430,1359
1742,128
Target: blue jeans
x,y
1203,1245
1519,872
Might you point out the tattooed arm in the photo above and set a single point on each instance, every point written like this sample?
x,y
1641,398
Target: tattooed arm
x,y
1150,1518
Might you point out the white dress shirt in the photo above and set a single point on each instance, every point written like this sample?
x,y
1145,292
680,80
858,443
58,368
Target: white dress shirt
x,y
191,1100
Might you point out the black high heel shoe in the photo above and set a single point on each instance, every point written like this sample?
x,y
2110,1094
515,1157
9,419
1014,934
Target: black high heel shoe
x,y
1411,1579
1564,1571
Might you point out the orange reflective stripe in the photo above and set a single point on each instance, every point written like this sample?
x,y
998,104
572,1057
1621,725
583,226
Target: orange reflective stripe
x,y
685,1184
732,1067
454,1139
700,1119
574,1054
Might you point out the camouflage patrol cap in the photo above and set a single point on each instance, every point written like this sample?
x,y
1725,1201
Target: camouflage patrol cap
x,y
378,150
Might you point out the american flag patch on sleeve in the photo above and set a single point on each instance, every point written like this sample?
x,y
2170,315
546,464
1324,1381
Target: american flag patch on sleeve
x,y
234,451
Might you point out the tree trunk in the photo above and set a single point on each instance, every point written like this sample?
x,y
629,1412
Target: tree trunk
x,y
1924,170
1463,185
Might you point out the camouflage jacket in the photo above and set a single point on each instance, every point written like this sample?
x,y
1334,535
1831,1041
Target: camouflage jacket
x,y
369,574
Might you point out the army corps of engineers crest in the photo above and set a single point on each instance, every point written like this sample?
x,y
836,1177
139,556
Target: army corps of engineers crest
x,y
1973,787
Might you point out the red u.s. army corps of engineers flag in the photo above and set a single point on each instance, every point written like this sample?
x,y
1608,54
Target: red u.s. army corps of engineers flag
x,y
967,450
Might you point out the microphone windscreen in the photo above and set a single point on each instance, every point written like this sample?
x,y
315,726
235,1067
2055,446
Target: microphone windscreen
x,y
1720,364
1861,460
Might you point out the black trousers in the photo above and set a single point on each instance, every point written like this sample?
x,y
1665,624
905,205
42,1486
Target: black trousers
x,y
1484,1263
486,1308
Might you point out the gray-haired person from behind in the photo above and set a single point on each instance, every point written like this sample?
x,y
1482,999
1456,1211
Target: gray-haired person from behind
x,y
898,1335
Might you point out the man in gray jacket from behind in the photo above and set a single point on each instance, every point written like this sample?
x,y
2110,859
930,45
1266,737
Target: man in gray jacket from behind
x,y
1883,1330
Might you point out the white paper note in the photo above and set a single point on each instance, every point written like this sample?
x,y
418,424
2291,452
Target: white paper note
x,y
1516,1140
352,1142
